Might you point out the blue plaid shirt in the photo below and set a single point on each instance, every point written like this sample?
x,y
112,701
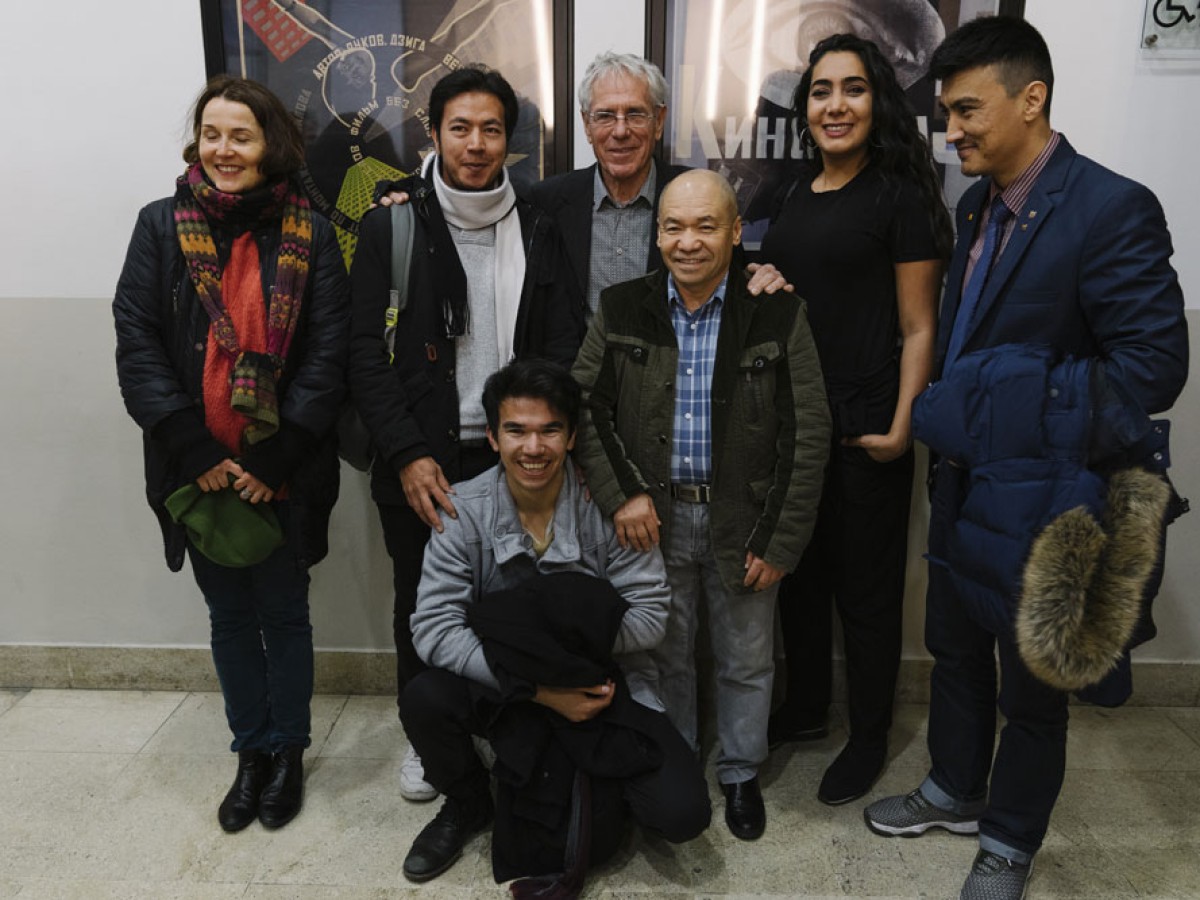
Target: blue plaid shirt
x,y
696,334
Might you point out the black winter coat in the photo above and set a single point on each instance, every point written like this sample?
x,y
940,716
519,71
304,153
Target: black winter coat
x,y
162,334
410,404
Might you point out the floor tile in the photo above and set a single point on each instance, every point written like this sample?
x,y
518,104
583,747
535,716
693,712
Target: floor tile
x,y
354,892
85,721
134,817
44,889
367,728
1128,738
1186,718
9,698
198,726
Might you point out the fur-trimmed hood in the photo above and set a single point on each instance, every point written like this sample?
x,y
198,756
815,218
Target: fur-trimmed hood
x,y
1085,582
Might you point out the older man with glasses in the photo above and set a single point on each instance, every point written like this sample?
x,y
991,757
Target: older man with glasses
x,y
606,212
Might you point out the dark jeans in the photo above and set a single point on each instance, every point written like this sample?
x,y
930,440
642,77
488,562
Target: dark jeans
x,y
1026,773
440,716
856,558
261,646
405,536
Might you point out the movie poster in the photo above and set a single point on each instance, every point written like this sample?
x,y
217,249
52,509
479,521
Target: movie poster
x,y
357,74
734,65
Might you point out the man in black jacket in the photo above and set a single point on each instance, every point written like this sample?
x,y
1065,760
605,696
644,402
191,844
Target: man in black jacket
x,y
484,287
607,212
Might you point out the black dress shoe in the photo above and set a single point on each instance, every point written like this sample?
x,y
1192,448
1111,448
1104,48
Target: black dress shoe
x,y
284,794
240,806
744,811
441,842
851,775
782,731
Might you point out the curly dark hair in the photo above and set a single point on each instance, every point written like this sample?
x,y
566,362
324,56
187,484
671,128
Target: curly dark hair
x,y
894,145
285,146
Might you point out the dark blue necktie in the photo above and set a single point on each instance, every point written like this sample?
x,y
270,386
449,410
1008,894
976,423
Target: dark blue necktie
x,y
999,215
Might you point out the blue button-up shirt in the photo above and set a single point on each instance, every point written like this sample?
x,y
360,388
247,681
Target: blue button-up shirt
x,y
696,333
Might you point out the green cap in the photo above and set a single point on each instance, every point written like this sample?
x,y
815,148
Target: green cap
x,y
227,529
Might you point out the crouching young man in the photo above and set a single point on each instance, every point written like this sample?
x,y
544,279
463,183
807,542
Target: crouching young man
x,y
530,555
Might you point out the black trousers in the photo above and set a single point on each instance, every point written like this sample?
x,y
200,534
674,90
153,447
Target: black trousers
x,y
440,714
856,559
405,536
1022,781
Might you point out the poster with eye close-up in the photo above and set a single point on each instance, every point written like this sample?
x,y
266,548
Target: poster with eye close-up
x,y
357,74
733,67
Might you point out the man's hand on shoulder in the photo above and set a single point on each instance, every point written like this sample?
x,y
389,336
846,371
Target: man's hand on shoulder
x,y
766,279
637,523
576,704
397,198
426,488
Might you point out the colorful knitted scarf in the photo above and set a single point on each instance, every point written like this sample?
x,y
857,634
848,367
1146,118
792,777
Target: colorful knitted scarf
x,y
197,204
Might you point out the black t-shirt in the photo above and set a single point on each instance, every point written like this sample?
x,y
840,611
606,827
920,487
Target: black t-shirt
x,y
839,249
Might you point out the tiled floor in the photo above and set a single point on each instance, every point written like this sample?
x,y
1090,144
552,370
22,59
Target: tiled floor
x,y
114,795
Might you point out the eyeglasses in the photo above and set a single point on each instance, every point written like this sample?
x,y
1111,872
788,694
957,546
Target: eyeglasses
x,y
636,120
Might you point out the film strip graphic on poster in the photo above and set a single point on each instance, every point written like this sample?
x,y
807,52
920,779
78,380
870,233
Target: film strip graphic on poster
x,y
733,66
357,74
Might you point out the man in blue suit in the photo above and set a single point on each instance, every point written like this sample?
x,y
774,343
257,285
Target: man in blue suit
x,y
1055,251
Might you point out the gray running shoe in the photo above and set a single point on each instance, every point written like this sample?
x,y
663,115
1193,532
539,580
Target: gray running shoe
x,y
912,814
993,877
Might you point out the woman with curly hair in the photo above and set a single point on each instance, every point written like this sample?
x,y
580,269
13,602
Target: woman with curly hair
x,y
863,235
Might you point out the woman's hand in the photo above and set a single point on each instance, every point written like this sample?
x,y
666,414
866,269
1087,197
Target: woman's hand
x,y
881,447
218,477
252,489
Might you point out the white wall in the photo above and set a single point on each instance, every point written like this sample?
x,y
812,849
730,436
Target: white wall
x,y
86,145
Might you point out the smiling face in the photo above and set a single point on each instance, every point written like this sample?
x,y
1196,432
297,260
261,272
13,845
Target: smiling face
x,y
994,134
533,442
471,141
231,146
623,152
839,107
698,227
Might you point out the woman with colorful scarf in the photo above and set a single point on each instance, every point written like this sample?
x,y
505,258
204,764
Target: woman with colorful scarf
x,y
231,316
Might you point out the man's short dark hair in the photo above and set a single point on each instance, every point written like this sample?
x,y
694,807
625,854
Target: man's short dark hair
x,y
1012,45
538,379
473,79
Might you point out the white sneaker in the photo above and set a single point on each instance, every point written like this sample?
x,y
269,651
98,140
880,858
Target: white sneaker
x,y
413,785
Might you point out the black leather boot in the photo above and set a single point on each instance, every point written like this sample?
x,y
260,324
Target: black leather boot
x,y
441,842
284,794
240,806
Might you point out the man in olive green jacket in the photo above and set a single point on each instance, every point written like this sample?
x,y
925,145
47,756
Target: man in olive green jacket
x,y
705,425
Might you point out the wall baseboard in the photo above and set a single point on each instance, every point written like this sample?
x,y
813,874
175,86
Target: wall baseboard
x,y
374,672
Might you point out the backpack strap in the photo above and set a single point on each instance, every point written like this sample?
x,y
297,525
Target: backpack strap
x,y
402,244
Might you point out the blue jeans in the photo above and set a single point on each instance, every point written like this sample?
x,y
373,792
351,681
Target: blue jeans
x,y
742,632
261,646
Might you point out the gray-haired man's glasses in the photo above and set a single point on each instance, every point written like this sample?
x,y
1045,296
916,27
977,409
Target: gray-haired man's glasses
x,y
605,119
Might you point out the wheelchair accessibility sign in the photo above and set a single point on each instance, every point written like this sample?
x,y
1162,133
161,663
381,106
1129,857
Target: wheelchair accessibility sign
x,y
1171,29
